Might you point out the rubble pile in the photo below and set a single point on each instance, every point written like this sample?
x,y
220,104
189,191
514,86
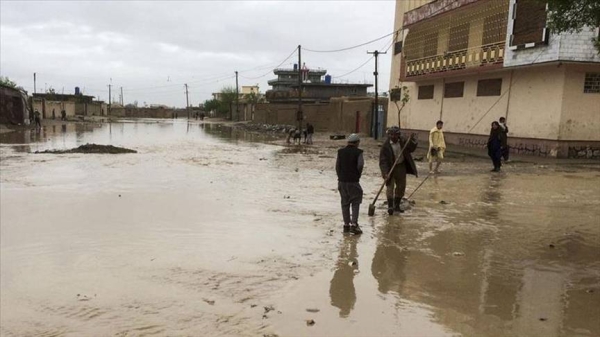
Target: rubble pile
x,y
277,128
92,148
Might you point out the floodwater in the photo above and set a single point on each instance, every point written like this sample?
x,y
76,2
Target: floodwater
x,y
210,231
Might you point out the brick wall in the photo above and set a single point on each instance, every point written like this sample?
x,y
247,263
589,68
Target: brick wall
x,y
339,115
147,112
579,46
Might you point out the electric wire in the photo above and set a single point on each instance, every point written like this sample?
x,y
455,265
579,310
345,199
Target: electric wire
x,y
349,48
282,62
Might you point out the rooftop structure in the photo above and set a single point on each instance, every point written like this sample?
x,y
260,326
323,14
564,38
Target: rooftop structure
x,y
316,86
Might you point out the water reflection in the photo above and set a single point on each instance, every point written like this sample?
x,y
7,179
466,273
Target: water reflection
x,y
389,262
341,290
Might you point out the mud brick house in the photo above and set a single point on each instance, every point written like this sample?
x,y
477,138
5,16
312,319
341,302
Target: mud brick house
x,y
74,105
470,62
14,108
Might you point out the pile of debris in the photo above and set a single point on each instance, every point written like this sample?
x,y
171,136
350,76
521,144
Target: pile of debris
x,y
281,128
92,148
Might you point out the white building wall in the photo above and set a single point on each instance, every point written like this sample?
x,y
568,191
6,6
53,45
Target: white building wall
x,y
561,47
579,46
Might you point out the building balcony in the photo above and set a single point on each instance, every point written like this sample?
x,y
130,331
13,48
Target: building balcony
x,y
470,58
450,37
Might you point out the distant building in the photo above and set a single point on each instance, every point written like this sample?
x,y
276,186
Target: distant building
x,y
14,108
73,105
469,62
244,91
316,86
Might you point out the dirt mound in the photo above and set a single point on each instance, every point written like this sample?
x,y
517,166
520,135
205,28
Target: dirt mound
x,y
92,148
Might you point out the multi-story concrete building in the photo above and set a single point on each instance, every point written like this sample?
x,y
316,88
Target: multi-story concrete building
x,y
470,62
316,86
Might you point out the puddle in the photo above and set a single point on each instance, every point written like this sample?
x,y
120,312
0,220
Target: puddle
x,y
206,226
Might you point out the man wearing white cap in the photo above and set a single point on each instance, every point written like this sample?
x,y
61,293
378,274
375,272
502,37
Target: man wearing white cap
x,y
349,166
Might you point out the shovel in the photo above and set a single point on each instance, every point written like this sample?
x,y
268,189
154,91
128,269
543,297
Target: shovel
x,y
372,205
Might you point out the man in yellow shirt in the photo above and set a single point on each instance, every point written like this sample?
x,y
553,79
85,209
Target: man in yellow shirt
x,y
437,146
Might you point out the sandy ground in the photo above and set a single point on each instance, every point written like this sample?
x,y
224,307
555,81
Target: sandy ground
x,y
212,231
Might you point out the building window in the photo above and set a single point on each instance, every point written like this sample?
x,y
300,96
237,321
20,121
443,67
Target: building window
x,y
397,47
494,28
426,92
430,44
459,37
529,23
455,89
592,83
491,87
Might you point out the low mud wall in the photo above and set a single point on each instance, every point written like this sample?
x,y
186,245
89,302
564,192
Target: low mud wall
x,y
524,146
148,112
339,115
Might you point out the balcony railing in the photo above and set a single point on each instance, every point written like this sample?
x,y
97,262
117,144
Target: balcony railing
x,y
479,56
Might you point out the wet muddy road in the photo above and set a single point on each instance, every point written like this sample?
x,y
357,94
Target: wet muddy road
x,y
209,231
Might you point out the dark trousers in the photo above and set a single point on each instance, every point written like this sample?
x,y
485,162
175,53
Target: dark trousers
x,y
496,156
351,194
396,186
505,152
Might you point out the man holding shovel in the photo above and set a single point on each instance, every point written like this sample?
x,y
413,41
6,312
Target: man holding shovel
x,y
396,150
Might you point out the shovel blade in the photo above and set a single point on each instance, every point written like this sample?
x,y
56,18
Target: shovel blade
x,y
371,210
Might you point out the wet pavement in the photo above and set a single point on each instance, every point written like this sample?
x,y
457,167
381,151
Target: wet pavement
x,y
209,230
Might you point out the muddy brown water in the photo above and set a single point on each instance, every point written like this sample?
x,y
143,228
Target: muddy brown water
x,y
210,231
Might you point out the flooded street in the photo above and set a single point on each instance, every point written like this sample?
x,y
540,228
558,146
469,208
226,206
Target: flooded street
x,y
210,231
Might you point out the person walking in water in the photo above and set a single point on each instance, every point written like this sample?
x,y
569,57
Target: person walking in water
x,y
38,119
495,145
504,128
349,166
396,184
437,147
310,130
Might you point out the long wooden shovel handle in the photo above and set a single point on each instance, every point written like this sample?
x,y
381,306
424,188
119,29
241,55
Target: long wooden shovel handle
x,y
389,175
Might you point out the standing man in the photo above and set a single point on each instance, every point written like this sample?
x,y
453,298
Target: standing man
x,y
349,166
504,128
391,149
494,145
53,114
38,119
437,147
310,130
63,115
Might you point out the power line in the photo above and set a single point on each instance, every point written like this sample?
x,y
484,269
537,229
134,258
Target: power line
x,y
282,62
365,63
352,47
356,69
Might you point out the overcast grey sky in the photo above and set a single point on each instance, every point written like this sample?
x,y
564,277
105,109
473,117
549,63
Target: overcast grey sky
x,y
151,48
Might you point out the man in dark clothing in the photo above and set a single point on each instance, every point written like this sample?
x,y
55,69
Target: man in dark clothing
x,y
349,166
495,145
63,115
38,119
310,130
390,150
504,128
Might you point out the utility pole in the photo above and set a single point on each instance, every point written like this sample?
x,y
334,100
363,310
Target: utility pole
x,y
187,101
109,98
299,116
237,98
376,53
122,99
34,83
